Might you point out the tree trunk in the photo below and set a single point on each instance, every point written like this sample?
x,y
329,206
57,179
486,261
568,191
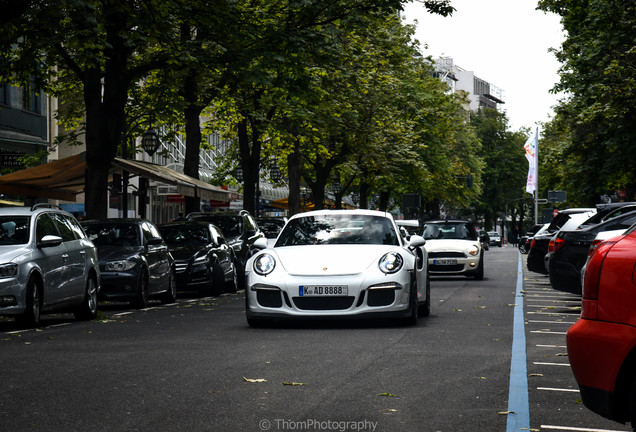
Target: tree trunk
x,y
294,168
193,144
104,123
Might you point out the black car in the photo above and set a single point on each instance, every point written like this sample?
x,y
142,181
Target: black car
x,y
271,227
540,242
609,211
484,239
526,240
570,251
133,259
240,231
203,259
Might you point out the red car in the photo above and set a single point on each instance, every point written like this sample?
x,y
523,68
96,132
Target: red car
x,y
602,344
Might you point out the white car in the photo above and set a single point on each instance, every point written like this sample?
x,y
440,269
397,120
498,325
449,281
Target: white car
x,y
453,248
338,263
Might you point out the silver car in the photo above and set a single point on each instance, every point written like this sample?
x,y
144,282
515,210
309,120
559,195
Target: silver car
x,y
46,264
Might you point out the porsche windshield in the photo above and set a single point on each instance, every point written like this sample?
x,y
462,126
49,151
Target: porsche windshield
x,y
338,229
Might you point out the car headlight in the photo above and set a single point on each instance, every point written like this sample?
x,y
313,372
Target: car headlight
x,y
391,262
203,259
119,266
264,264
8,270
474,250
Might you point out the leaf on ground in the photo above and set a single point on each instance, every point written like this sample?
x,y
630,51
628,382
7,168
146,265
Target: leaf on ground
x,y
512,304
389,410
562,354
506,412
387,394
535,375
256,380
291,383
457,310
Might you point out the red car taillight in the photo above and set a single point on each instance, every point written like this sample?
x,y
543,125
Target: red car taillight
x,y
593,247
532,244
592,279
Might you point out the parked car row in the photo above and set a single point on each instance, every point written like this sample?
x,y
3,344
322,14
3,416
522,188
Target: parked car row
x,y
596,255
51,262
560,249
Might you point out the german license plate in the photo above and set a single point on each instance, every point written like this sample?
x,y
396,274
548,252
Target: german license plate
x,y
323,290
444,262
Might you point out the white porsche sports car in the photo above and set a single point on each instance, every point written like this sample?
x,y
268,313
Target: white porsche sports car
x,y
339,263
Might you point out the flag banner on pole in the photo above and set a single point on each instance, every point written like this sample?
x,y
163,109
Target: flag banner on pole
x,y
531,147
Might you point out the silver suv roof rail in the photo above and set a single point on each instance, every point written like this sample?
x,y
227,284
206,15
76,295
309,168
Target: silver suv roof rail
x,y
45,205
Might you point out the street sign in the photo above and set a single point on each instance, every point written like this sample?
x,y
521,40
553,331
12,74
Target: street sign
x,y
557,196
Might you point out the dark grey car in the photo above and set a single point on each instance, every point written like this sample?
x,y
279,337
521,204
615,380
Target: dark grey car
x,y
46,264
134,260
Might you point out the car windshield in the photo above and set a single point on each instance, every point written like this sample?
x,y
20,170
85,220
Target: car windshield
x,y
493,234
14,230
113,234
449,230
185,235
230,226
338,229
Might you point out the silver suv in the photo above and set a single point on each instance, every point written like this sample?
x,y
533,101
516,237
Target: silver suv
x,y
46,264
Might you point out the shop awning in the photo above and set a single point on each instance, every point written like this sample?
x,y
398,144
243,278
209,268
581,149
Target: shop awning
x,y
186,185
64,179
61,179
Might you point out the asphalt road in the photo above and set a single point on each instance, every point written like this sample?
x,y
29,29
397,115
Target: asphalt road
x,y
196,366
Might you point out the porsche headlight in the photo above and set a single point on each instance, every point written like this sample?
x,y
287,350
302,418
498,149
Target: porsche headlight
x,y
474,250
264,264
119,266
391,262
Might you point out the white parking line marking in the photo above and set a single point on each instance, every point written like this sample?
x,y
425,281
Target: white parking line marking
x,y
550,313
558,389
554,307
556,301
550,364
551,346
18,331
122,314
60,325
578,429
552,322
548,332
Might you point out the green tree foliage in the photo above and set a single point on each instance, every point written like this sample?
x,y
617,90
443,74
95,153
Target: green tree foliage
x,y
595,128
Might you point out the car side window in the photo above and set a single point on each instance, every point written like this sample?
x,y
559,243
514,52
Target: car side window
x,y
75,226
63,227
145,228
626,223
44,226
154,231
250,224
216,235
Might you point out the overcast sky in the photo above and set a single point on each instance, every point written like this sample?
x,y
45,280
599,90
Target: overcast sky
x,y
506,43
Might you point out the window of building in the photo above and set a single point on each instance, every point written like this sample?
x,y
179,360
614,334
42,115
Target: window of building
x,y
31,98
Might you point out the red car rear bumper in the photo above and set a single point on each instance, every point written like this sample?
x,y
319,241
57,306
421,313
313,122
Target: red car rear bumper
x,y
597,351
